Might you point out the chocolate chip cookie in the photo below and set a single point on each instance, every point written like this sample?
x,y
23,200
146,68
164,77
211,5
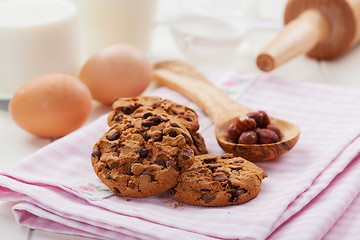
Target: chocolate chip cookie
x,y
138,107
218,181
143,156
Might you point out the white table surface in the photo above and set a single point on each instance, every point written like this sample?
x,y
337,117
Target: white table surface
x,y
17,144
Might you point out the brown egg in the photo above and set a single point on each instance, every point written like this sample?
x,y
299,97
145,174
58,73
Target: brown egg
x,y
51,105
116,71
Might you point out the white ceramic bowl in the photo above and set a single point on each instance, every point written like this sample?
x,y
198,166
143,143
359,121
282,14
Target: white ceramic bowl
x,y
205,37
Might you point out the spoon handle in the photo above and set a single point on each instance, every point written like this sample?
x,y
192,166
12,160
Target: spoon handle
x,y
218,106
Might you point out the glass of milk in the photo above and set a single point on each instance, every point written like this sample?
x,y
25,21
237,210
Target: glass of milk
x,y
36,37
108,22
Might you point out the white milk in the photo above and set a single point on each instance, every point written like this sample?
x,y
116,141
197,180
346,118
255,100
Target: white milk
x,y
36,37
108,22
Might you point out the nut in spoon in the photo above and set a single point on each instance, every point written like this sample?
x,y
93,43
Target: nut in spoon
x,y
223,111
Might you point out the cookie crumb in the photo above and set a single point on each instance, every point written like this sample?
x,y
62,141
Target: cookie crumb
x,y
173,204
176,205
127,199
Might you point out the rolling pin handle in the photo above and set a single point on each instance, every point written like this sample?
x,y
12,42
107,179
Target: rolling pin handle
x,y
299,36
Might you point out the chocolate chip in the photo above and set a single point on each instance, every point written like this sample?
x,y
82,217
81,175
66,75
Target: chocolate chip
x,y
96,153
116,190
227,156
175,125
146,115
147,124
132,185
173,112
220,177
230,184
128,110
156,120
143,152
189,118
188,140
235,193
208,197
108,176
212,167
173,133
114,164
236,168
209,160
148,174
113,135
145,136
186,154
198,139
159,161
118,117
158,137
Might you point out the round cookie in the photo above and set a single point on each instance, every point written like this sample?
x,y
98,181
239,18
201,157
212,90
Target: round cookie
x,y
218,181
142,157
124,108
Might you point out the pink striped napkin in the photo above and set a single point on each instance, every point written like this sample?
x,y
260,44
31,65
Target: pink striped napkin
x,y
310,192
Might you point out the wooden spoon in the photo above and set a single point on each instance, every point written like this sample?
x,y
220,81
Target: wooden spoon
x,y
223,111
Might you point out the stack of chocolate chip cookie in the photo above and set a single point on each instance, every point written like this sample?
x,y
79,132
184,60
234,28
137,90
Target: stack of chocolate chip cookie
x,y
153,146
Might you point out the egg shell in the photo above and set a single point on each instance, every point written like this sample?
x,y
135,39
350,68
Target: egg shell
x,y
116,71
51,105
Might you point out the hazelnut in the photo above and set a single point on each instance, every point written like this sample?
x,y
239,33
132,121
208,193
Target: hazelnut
x,y
245,123
254,128
267,136
248,137
265,120
233,133
258,117
274,129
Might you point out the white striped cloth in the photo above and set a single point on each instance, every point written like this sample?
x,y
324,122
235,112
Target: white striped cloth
x,y
311,192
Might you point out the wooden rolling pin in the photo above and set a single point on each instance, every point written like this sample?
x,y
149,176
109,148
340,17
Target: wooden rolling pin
x,y
323,29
